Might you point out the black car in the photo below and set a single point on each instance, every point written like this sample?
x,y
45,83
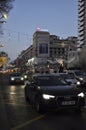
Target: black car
x,y
50,91
70,78
16,78
80,76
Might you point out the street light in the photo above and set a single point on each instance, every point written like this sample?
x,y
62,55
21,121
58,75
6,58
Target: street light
x,y
3,15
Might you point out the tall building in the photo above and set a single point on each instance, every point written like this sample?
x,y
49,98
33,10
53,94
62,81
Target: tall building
x,y
41,44
47,51
81,22
40,47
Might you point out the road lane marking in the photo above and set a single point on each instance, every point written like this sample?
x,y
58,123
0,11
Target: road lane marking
x,y
28,122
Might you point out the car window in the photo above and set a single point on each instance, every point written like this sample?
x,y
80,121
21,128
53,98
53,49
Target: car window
x,y
80,73
51,81
71,74
67,76
16,74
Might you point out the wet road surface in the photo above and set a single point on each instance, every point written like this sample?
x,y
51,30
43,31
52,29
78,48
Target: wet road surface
x,y
17,114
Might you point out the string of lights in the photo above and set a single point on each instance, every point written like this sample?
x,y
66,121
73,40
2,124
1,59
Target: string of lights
x,y
14,42
18,34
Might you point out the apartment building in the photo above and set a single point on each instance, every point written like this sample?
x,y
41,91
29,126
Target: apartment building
x,y
63,50
81,23
46,49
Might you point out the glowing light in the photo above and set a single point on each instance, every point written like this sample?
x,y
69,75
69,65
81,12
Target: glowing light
x,y
38,29
5,15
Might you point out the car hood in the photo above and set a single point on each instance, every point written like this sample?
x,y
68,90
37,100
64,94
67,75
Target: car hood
x,y
60,90
71,80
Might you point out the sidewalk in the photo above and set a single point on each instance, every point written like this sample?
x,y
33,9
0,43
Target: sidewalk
x,y
4,125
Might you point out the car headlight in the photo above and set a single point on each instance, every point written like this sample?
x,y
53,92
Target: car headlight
x,y
25,76
81,78
22,78
81,94
47,97
38,88
78,83
12,78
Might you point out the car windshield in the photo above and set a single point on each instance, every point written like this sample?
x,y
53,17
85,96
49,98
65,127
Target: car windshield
x,y
16,74
67,76
51,81
80,73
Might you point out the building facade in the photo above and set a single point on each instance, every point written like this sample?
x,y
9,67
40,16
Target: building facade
x,y
63,50
48,51
81,23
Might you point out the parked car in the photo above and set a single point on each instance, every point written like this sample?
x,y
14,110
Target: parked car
x,y
79,75
50,91
27,76
16,78
70,78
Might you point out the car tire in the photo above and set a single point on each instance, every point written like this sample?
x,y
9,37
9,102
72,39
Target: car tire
x,y
38,106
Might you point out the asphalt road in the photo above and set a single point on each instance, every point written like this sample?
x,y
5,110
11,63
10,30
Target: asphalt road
x,y
17,114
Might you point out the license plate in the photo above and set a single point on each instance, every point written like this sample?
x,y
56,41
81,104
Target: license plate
x,y
17,80
68,103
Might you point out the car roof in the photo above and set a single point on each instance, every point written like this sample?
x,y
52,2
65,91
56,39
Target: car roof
x,y
63,73
47,74
74,70
16,73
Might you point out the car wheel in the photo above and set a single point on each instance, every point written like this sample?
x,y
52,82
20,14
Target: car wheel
x,y
38,105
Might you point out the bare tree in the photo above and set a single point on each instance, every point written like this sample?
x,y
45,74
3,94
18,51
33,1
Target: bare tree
x,y
5,7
